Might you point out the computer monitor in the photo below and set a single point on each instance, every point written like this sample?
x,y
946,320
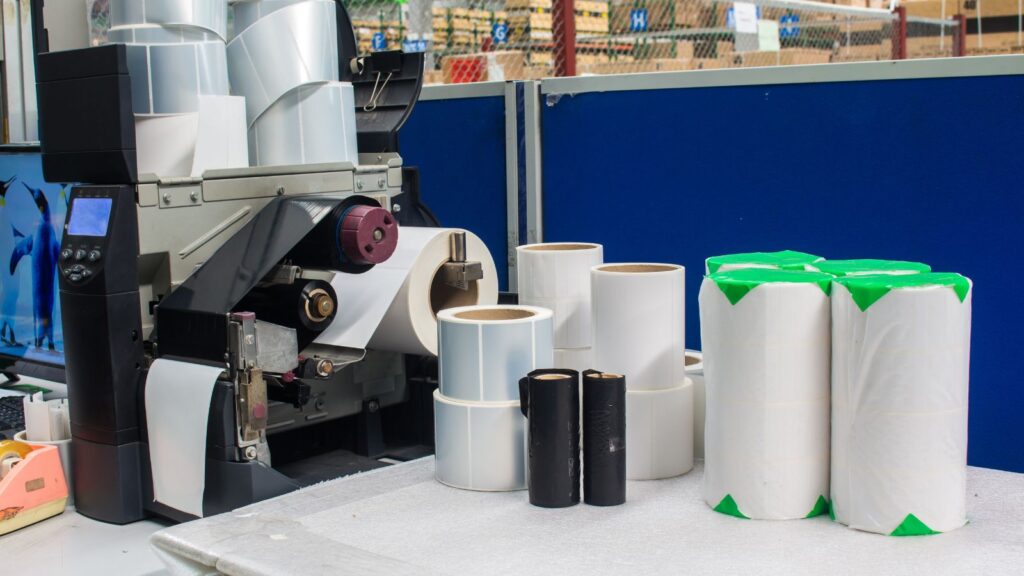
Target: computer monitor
x,y
32,214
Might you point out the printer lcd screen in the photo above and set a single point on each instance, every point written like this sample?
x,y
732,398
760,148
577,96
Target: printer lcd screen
x,y
89,216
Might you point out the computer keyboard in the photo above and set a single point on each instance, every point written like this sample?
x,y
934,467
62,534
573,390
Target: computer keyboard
x,y
12,415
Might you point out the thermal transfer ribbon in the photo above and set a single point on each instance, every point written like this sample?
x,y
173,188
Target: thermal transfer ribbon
x,y
659,432
178,396
578,359
312,124
178,145
170,78
695,372
638,323
483,351
156,34
207,14
247,12
293,46
766,369
557,276
550,399
393,306
479,446
899,409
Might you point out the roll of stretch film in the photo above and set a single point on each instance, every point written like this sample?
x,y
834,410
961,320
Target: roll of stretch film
x,y
479,446
604,438
557,276
211,15
483,351
550,401
659,439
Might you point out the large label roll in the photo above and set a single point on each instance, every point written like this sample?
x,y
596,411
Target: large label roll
x,y
483,351
782,260
639,320
659,432
154,34
900,367
170,78
479,446
695,372
557,276
247,12
210,15
288,48
189,144
312,124
766,351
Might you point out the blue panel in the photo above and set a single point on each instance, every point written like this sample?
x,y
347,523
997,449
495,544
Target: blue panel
x,y
923,170
459,146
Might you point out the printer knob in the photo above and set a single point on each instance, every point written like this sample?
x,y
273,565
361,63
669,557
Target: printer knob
x,y
369,235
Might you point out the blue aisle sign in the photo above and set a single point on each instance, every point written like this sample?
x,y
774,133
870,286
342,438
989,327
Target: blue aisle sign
x,y
788,26
730,17
379,43
638,20
499,33
414,46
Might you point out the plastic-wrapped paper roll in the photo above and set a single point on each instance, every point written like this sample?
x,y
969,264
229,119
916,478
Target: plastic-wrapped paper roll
x,y
479,446
190,144
900,368
782,260
288,48
869,267
211,15
695,372
247,12
312,124
156,34
170,78
659,432
578,359
766,351
557,276
483,351
638,322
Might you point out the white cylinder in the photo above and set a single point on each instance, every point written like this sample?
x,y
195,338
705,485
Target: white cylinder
x,y
695,372
900,369
639,323
557,276
483,351
659,432
765,338
312,124
210,15
479,446
578,359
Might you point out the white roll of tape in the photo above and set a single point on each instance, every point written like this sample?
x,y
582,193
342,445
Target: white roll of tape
x,y
557,276
659,432
211,15
312,124
483,351
479,446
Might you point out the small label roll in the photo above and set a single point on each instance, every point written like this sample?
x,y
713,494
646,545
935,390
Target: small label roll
x,y
550,399
479,446
604,438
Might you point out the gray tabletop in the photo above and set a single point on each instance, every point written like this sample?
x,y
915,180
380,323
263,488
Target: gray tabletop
x,y
399,520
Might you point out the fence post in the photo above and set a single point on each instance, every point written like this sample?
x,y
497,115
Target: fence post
x,y
899,41
563,24
960,45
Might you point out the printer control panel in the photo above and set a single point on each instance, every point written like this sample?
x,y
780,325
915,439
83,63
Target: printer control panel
x,y
95,234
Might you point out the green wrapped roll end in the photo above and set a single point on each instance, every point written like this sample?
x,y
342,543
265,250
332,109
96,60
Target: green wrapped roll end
x,y
735,284
866,290
820,507
728,507
866,267
782,260
911,526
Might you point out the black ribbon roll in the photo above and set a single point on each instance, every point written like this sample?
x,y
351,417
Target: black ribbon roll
x,y
308,306
550,399
604,438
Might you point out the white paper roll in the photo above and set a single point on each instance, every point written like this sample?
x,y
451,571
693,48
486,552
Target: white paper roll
x,y
189,144
483,351
639,322
659,432
695,372
899,407
208,14
393,307
557,276
170,78
312,124
766,370
578,359
178,396
288,48
479,446
247,12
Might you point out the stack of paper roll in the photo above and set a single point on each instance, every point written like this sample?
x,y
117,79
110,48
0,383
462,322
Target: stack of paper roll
x,y
638,325
870,267
557,276
900,363
284,59
185,120
695,372
479,427
782,260
765,336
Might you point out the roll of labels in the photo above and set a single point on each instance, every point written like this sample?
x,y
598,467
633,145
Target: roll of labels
x,y
550,400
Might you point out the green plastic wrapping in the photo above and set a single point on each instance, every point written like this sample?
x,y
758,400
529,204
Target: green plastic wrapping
x,y
782,260
867,266
866,290
735,284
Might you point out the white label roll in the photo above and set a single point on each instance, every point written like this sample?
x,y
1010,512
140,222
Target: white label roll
x,y
479,446
659,432
210,15
639,321
557,276
170,78
312,124
247,12
695,372
483,351
766,371
900,367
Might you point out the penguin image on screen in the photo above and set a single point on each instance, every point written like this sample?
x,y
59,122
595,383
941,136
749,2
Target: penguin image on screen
x,y
9,286
44,248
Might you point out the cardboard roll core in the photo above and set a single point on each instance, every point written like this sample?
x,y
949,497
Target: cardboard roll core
x,y
494,314
637,268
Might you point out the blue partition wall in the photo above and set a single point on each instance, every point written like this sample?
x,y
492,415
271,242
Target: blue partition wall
x,y
924,169
459,146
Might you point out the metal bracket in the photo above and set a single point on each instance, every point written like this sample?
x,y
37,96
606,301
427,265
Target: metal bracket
x,y
458,273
